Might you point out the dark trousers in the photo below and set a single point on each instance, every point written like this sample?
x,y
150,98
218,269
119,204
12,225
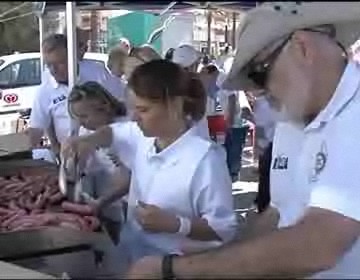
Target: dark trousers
x,y
234,144
263,197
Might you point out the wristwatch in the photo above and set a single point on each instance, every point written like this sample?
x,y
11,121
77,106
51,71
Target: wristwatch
x,y
167,267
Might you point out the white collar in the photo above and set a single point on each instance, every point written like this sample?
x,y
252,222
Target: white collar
x,y
171,153
344,93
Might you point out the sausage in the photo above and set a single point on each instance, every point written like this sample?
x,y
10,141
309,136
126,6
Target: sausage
x,y
11,186
5,217
69,225
7,222
37,211
3,183
54,189
4,211
35,220
39,202
81,209
57,197
93,222
47,192
75,219
14,178
21,202
13,206
28,203
20,221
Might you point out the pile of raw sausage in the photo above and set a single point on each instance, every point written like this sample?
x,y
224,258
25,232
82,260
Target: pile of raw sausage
x,y
32,200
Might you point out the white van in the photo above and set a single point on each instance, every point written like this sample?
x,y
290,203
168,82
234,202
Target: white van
x,y
20,76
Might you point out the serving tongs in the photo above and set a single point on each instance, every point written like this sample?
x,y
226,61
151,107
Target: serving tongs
x,y
63,178
70,179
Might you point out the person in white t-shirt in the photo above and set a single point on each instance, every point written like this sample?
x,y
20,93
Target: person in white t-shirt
x,y
297,52
180,197
49,111
124,44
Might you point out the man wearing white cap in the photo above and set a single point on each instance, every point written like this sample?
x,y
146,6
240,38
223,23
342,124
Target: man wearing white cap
x,y
189,58
294,51
124,44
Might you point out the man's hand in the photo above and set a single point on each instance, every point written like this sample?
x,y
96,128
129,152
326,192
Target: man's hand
x,y
146,268
34,135
154,219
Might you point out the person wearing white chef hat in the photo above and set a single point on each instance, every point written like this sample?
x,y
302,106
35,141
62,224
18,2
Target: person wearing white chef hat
x,y
180,197
187,56
296,51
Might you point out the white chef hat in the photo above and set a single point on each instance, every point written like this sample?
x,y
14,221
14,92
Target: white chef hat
x,y
186,55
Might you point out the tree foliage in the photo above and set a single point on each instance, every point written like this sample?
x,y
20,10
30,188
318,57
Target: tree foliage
x,y
18,33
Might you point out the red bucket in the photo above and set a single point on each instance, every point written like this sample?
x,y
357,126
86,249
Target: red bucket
x,y
217,127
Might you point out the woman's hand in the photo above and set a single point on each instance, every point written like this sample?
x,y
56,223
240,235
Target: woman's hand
x,y
77,147
95,204
154,219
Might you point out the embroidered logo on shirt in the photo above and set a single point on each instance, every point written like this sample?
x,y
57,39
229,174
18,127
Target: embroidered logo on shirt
x,y
280,163
59,99
320,163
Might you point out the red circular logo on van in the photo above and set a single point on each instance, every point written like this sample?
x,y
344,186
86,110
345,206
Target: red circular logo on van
x,y
10,98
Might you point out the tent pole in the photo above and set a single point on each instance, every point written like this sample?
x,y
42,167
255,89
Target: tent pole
x,y
41,39
72,53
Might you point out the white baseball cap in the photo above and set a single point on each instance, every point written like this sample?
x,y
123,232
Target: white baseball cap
x,y
186,55
271,21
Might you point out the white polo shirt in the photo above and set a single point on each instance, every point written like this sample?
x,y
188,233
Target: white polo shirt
x,y
318,166
188,178
51,100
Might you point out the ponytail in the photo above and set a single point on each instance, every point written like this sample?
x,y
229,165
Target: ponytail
x,y
195,101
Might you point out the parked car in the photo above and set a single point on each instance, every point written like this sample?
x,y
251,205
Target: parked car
x,y
20,76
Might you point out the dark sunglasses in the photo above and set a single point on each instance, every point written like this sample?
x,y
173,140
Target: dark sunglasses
x,y
259,72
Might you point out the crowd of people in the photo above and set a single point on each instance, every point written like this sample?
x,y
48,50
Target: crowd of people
x,y
144,127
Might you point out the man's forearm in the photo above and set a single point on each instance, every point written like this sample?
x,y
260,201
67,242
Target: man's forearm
x,y
35,135
259,224
287,252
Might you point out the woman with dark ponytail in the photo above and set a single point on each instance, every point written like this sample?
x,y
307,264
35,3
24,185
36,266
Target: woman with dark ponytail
x,y
180,192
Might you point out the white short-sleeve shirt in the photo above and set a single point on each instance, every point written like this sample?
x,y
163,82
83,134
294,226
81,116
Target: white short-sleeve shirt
x,y
202,187
318,166
101,159
50,103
